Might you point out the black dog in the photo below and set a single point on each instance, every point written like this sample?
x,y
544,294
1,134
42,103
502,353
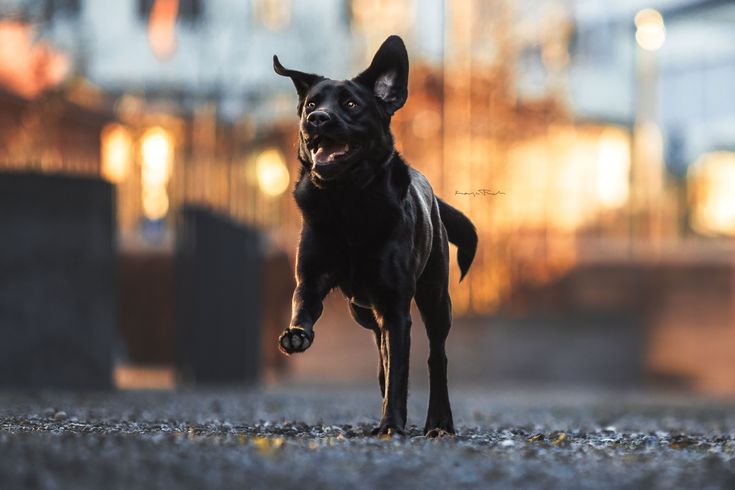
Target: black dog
x,y
373,227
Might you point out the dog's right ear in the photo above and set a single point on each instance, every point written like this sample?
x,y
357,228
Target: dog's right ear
x,y
302,81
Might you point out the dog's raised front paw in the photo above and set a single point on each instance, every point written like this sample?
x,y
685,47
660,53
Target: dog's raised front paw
x,y
295,339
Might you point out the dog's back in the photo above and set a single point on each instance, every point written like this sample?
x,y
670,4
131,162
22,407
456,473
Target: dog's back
x,y
459,229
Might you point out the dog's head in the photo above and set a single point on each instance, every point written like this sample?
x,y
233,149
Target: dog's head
x,y
345,125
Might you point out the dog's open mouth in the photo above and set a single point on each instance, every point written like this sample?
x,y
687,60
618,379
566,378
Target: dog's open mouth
x,y
327,151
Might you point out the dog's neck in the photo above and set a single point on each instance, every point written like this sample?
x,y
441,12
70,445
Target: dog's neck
x,y
382,168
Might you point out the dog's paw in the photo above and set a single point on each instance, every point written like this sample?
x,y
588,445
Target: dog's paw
x,y
439,423
439,434
387,431
295,339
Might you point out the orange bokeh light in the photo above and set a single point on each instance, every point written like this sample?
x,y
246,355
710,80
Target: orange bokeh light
x,y
162,28
27,66
116,153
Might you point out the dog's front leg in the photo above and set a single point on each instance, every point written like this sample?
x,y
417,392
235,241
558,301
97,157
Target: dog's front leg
x,y
313,282
306,310
395,349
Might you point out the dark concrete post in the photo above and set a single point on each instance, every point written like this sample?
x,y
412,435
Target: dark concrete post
x,y
58,306
218,298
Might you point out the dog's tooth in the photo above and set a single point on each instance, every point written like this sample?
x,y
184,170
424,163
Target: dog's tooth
x,y
317,154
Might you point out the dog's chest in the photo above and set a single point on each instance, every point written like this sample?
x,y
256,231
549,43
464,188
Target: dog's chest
x,y
360,228
364,242
361,262
358,289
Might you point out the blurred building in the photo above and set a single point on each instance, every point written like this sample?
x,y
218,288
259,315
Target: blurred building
x,y
666,76
590,142
693,66
497,87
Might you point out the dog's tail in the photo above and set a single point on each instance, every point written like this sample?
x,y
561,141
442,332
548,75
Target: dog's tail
x,y
460,232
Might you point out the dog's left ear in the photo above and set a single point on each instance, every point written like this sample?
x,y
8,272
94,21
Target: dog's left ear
x,y
302,81
387,75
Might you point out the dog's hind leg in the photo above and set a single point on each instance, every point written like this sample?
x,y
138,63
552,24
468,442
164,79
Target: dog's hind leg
x,y
394,320
365,318
435,306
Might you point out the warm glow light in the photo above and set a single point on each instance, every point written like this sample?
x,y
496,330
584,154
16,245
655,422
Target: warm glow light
x,y
650,33
157,152
273,177
162,28
584,171
613,168
116,153
557,193
156,163
144,377
27,66
712,193
155,202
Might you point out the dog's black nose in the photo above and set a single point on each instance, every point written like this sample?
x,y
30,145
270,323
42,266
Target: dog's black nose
x,y
317,118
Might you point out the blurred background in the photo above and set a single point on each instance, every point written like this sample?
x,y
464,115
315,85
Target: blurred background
x,y
147,152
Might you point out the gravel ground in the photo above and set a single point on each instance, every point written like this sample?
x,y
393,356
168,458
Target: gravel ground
x,y
318,438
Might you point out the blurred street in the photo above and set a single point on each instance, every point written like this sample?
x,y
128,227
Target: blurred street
x,y
302,437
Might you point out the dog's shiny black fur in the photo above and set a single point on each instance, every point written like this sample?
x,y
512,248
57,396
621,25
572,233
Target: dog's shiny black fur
x,y
373,228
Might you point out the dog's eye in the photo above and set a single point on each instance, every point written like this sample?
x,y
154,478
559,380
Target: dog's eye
x,y
310,106
350,104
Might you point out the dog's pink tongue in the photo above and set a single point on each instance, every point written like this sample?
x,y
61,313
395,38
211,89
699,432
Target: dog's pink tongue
x,y
327,153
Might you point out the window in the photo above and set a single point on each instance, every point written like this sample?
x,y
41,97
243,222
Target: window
x,y
68,8
593,43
